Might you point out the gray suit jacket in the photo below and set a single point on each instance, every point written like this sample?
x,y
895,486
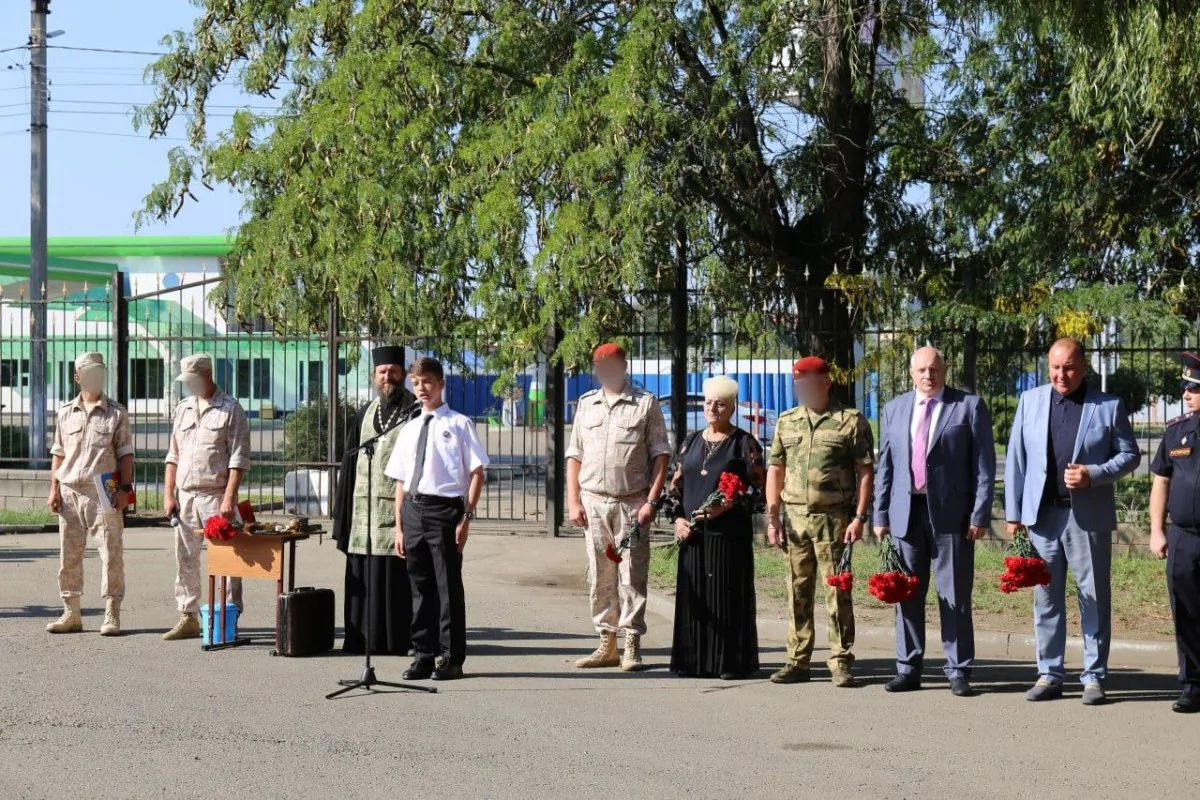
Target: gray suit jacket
x,y
1104,444
960,469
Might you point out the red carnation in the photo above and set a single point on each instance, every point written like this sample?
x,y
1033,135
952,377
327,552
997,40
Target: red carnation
x,y
612,555
842,578
731,486
893,583
217,528
1024,568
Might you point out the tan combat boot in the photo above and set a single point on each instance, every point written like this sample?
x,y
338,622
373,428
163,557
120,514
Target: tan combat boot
x,y
112,618
631,659
605,655
841,676
188,627
70,621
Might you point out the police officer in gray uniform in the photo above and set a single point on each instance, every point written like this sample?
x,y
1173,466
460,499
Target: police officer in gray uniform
x,y
1176,490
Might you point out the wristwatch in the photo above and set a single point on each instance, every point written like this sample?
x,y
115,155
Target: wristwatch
x,y
656,504
469,515
863,518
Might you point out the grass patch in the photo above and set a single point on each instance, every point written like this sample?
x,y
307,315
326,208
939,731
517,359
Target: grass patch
x,y
1140,606
9,516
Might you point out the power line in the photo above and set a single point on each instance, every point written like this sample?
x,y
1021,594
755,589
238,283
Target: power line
x,y
137,103
144,138
81,112
14,131
107,50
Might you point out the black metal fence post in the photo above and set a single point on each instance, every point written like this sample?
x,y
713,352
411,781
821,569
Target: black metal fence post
x,y
556,414
679,338
120,329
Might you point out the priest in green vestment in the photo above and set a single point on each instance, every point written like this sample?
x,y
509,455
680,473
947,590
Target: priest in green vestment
x,y
390,598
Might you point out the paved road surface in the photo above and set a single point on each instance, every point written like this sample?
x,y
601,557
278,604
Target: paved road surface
x,y
82,716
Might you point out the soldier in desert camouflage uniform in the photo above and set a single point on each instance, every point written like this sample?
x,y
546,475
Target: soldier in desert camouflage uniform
x,y
208,454
91,439
821,470
616,469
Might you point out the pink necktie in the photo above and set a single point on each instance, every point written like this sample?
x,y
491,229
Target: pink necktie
x,y
921,445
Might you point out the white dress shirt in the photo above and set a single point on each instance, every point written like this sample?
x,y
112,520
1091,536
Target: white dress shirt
x,y
453,451
919,399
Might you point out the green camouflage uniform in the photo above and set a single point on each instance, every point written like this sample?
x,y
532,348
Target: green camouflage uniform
x,y
819,453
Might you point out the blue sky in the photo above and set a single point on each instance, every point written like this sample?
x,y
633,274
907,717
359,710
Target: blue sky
x,y
99,168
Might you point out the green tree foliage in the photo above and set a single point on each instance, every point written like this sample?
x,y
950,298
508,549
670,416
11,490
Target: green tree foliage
x,y
499,168
306,431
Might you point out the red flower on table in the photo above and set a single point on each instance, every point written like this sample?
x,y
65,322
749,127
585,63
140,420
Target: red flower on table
x,y
217,528
1024,568
893,583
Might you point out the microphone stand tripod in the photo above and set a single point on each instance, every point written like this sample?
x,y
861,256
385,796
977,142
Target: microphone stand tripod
x,y
368,681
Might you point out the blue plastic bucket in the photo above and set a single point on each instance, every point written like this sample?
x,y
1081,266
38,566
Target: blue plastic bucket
x,y
231,616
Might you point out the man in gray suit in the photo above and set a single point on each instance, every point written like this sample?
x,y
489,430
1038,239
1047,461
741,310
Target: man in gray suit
x,y
933,493
1070,443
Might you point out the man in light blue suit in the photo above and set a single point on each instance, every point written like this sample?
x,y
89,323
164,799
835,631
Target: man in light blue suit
x,y
934,483
1070,443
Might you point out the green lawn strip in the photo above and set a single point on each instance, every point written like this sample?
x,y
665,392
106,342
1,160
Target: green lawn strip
x,y
1140,604
10,516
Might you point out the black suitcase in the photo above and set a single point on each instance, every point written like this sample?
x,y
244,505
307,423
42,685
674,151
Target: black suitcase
x,y
305,622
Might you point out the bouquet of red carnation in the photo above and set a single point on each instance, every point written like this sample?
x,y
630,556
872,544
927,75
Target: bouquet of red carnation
x,y
632,532
842,577
729,488
219,529
1024,568
893,583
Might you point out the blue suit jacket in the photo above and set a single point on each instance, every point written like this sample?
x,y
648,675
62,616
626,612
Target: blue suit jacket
x,y
1104,444
960,470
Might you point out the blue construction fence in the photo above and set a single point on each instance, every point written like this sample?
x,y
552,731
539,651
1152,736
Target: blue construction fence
x,y
472,394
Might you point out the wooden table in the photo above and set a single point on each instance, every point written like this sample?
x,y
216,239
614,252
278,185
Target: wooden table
x,y
266,556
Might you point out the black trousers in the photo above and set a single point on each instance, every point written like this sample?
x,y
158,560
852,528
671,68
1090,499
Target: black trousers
x,y
439,626
1183,585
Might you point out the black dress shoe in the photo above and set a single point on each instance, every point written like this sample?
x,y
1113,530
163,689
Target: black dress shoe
x,y
1188,702
445,671
907,682
419,671
960,687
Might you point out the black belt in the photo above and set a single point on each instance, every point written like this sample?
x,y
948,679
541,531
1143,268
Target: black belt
x,y
1057,502
436,500
1188,531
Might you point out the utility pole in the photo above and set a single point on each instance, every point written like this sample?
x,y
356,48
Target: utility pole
x,y
37,232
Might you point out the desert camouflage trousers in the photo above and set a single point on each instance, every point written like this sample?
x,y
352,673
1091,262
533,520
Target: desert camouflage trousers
x,y
617,591
194,510
83,514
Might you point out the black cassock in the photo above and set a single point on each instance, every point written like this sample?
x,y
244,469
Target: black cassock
x,y
391,595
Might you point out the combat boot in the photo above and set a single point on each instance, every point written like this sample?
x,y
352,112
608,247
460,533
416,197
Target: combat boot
x,y
112,618
188,627
842,677
605,655
791,673
70,621
631,659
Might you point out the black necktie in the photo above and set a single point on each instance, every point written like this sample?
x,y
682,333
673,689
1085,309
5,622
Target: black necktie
x,y
422,443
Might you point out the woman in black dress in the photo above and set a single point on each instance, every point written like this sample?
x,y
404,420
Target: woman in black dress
x,y
715,631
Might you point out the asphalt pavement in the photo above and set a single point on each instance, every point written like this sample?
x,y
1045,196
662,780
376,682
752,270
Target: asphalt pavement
x,y
134,717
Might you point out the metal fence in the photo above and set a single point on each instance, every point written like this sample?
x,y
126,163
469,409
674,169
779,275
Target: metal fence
x,y
302,392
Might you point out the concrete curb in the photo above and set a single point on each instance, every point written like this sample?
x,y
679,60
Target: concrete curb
x,y
988,644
